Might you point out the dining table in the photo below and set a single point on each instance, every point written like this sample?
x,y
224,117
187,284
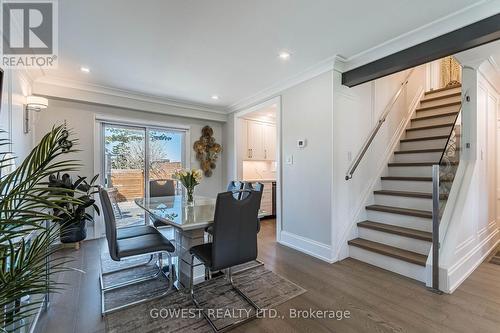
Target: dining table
x,y
189,221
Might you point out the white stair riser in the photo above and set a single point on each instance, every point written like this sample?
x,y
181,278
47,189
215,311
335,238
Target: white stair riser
x,y
403,202
417,122
418,157
423,144
413,222
428,132
441,110
404,185
443,93
391,264
410,171
405,243
451,99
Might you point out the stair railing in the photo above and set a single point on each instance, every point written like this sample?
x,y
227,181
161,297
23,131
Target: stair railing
x,y
443,174
355,163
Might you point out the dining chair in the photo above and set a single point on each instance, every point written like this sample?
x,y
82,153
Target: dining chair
x,y
161,188
236,187
233,243
131,242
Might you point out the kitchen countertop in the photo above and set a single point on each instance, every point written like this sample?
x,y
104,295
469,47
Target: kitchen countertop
x,y
259,180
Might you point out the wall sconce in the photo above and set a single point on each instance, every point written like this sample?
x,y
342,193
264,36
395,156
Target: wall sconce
x,y
33,103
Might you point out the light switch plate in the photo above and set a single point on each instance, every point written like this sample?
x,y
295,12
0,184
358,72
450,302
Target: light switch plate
x,y
289,160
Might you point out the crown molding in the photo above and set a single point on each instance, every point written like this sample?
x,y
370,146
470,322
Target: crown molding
x,y
270,92
441,26
67,89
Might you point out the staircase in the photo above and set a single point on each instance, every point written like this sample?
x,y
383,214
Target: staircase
x,y
397,235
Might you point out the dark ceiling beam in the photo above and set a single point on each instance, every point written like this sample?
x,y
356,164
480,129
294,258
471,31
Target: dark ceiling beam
x,y
476,34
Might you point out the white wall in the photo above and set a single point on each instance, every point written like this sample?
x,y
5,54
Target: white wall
x,y
16,86
469,226
80,118
307,113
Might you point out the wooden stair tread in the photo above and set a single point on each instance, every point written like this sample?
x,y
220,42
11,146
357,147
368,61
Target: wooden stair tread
x,y
426,108
447,114
390,251
429,127
403,178
409,164
409,194
405,194
435,137
402,211
396,230
430,92
417,151
415,179
435,98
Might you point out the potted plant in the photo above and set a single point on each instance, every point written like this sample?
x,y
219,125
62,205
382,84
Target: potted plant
x,y
27,261
73,218
189,179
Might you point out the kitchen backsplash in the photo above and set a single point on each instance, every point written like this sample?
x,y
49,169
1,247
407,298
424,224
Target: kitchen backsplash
x,y
259,170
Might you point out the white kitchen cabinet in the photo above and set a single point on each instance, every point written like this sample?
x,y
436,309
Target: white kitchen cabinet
x,y
266,203
261,141
255,140
269,142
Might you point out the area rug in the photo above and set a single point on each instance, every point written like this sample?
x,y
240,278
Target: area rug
x,y
175,311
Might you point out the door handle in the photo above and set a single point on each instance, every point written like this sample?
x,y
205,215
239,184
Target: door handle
x,y
265,153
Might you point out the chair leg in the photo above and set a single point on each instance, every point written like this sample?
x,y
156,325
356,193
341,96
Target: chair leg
x,y
240,292
128,283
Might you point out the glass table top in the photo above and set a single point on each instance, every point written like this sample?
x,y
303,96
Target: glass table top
x,y
175,211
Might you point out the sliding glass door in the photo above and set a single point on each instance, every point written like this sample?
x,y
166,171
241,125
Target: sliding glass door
x,y
133,157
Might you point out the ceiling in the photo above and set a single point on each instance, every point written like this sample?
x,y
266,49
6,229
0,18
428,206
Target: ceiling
x,y
189,50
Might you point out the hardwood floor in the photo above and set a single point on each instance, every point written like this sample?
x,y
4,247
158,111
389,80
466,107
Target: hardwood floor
x,y
378,300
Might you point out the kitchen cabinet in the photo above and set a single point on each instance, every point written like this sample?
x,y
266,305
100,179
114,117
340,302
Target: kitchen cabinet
x,y
260,141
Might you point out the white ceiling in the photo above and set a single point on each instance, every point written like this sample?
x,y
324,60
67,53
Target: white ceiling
x,y
191,49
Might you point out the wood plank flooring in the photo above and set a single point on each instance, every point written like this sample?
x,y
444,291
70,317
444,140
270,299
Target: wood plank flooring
x,y
378,300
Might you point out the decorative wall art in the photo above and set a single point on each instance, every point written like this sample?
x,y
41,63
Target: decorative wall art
x,y
207,150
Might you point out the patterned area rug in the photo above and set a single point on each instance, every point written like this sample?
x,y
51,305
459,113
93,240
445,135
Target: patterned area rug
x,y
175,311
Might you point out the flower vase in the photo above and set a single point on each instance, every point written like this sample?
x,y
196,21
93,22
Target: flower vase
x,y
189,196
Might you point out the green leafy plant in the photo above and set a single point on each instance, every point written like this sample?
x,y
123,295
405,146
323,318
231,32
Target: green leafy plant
x,y
26,239
74,216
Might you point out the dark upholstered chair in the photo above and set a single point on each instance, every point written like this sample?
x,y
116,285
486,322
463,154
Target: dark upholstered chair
x,y
236,187
234,240
161,188
129,242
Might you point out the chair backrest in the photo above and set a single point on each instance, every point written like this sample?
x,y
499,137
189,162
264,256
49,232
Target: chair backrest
x,y
161,188
109,223
259,187
235,186
235,229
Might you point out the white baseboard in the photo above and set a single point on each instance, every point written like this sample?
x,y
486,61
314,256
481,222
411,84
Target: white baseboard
x,y
469,262
308,246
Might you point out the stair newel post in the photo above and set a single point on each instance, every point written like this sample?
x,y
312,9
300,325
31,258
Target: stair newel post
x,y
435,227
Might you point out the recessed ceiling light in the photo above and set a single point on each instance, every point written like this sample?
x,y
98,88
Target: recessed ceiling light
x,y
85,69
284,55
215,97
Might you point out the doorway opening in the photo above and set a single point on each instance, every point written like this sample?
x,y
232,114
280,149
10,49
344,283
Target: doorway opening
x,y
258,153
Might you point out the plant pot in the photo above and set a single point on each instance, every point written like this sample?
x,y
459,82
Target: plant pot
x,y
73,231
